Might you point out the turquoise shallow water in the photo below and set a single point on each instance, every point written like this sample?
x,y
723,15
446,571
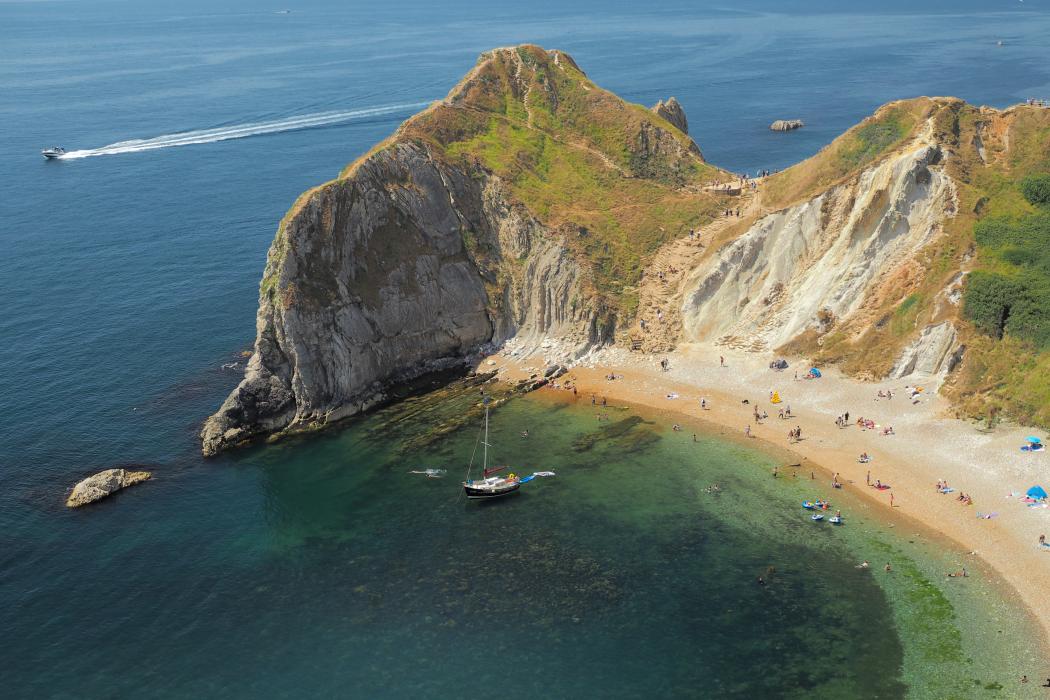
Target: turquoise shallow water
x,y
319,566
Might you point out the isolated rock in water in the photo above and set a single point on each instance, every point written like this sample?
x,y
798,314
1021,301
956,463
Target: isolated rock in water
x,y
786,124
103,484
672,111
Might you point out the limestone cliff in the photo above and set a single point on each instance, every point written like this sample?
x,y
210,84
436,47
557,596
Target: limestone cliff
x,y
450,236
532,208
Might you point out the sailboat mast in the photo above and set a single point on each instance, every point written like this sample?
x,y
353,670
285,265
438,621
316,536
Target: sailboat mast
x,y
486,442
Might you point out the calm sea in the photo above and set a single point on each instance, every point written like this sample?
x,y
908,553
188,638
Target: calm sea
x,y
130,279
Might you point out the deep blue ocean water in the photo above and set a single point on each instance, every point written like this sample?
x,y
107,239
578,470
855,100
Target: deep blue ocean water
x,y
131,279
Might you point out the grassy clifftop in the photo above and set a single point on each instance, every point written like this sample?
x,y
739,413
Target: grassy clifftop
x,y
617,179
879,134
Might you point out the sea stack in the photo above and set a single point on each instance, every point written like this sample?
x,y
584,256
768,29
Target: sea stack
x,y
786,125
105,483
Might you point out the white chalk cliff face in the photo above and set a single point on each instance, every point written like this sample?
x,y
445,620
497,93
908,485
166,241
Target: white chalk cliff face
x,y
824,256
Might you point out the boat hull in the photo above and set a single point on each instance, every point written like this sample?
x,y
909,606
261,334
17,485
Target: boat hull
x,y
478,494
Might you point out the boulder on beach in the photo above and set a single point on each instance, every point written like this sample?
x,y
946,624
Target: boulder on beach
x,y
103,484
786,124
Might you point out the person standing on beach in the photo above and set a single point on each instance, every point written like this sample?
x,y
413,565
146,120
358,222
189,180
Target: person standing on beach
x,y
747,430
1042,540
867,479
721,361
891,499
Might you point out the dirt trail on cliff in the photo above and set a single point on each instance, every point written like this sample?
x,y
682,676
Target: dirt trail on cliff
x,y
658,326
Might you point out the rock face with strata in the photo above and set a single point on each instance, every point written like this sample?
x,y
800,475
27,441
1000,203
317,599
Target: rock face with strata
x,y
672,111
414,259
370,283
104,484
796,269
929,355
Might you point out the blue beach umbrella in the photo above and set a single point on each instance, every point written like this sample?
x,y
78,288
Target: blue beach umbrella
x,y
1036,492
1033,439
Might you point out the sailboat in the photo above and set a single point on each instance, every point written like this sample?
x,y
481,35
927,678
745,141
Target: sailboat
x,y
489,486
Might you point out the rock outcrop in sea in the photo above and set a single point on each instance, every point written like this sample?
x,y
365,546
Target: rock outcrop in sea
x,y
104,484
786,125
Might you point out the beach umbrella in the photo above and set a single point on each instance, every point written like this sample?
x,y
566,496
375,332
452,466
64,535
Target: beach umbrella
x,y
1033,439
814,371
1036,492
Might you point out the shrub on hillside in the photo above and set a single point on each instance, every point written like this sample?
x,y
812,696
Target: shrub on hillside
x,y
1036,189
989,301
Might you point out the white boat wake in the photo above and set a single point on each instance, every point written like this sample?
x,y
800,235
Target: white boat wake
x,y
238,131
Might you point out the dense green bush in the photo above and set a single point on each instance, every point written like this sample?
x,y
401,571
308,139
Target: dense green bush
x,y
1015,299
1036,189
1020,306
989,301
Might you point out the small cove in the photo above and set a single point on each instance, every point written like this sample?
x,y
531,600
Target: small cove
x,y
625,575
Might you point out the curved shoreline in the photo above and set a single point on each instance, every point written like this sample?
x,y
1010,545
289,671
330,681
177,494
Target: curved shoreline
x,y
1005,543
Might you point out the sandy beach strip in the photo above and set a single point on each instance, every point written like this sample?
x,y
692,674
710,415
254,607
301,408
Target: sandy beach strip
x,y
927,445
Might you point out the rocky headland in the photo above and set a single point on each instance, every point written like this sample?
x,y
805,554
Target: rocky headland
x,y
534,211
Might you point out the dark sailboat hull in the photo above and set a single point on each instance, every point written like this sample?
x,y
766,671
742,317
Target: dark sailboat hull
x,y
482,494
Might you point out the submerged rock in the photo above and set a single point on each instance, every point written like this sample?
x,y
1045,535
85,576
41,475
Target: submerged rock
x,y
786,124
105,483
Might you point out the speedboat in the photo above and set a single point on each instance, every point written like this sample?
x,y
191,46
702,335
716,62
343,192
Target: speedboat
x,y
817,517
835,520
53,152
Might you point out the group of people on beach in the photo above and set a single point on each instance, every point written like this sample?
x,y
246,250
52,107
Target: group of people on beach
x,y
944,488
1035,102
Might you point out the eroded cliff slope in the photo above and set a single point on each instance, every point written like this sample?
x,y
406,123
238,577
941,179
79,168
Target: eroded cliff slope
x,y
532,206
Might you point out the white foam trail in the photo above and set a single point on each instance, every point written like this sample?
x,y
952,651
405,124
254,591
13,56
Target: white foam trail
x,y
237,131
